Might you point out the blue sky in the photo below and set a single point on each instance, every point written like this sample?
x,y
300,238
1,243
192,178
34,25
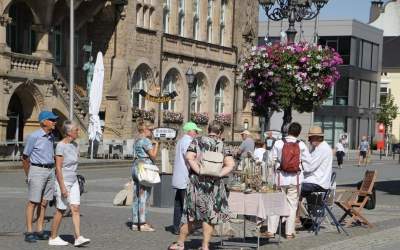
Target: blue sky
x,y
341,9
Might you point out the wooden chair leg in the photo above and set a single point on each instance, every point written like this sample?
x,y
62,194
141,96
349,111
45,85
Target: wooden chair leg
x,y
362,219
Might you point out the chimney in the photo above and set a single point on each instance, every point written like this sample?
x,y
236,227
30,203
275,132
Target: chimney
x,y
375,11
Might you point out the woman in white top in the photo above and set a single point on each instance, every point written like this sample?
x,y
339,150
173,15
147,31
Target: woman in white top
x,y
339,148
259,150
67,185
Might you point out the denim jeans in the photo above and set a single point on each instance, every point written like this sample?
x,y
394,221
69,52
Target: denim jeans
x,y
141,200
178,208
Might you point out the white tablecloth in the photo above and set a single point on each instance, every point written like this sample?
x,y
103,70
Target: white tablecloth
x,y
261,205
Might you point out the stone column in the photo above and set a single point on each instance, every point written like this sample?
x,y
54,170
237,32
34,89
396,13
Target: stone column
x,y
229,24
239,106
4,21
139,15
173,17
146,13
203,20
216,21
42,34
188,18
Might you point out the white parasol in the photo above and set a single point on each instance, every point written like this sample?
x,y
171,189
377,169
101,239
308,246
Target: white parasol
x,y
95,97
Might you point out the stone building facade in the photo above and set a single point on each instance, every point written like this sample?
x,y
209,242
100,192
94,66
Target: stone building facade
x,y
147,45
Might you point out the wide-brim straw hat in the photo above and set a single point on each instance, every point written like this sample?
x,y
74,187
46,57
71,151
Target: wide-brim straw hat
x,y
315,131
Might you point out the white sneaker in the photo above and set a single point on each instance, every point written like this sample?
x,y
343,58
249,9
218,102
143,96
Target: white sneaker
x,y
81,241
57,241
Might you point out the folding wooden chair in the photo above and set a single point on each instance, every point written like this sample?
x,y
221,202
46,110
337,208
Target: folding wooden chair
x,y
353,201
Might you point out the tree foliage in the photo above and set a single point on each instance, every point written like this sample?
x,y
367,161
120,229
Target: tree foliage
x,y
388,111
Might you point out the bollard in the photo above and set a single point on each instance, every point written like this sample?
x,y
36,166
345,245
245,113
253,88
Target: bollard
x,y
380,154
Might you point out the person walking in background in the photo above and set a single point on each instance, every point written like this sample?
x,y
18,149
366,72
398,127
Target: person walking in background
x,y
340,153
38,165
364,150
259,150
206,199
269,141
180,176
145,150
247,145
67,185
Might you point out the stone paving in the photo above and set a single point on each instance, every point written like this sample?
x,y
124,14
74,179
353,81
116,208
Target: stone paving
x,y
107,226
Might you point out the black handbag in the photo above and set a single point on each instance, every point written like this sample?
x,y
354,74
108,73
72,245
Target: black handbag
x,y
371,203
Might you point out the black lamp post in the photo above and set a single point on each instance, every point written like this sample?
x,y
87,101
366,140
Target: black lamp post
x,y
190,78
293,10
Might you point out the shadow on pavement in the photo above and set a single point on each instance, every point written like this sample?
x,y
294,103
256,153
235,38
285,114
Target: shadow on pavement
x,y
390,187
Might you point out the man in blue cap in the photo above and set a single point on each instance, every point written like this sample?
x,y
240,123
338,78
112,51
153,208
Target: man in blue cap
x,y
38,164
180,177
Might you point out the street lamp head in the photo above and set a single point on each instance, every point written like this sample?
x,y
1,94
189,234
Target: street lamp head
x,y
190,76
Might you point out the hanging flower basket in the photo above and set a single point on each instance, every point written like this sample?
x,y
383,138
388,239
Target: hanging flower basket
x,y
224,118
172,117
144,114
298,76
199,118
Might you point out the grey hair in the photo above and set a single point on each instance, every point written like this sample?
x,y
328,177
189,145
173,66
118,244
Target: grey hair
x,y
68,126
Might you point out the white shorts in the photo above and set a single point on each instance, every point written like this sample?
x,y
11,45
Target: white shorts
x,y
74,197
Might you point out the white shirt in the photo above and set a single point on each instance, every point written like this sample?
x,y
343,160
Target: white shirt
x,y
259,153
286,179
339,147
320,170
180,176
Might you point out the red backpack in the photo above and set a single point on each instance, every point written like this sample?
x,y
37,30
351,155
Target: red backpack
x,y
290,160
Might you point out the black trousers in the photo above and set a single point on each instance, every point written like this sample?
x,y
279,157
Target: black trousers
x,y
308,188
178,208
339,157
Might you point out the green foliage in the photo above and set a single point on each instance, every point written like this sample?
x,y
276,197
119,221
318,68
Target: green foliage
x,y
387,112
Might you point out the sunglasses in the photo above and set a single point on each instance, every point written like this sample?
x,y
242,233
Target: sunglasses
x,y
52,120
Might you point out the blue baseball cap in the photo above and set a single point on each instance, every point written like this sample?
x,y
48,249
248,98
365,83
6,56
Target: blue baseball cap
x,y
47,115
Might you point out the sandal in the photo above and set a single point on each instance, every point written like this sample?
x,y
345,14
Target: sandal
x,y
177,246
146,228
290,236
267,235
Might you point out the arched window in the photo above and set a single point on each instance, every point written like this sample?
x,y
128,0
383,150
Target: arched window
x,y
209,21
209,31
209,8
169,86
181,21
20,36
222,22
139,15
139,82
195,97
221,35
219,97
196,11
166,10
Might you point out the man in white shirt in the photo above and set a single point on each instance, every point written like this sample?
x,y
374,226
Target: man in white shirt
x,y
288,182
317,175
180,176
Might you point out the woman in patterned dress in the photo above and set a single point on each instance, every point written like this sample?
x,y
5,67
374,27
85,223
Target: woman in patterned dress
x,y
206,198
145,151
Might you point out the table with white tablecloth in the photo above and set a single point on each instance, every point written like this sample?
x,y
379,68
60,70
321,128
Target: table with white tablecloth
x,y
260,205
